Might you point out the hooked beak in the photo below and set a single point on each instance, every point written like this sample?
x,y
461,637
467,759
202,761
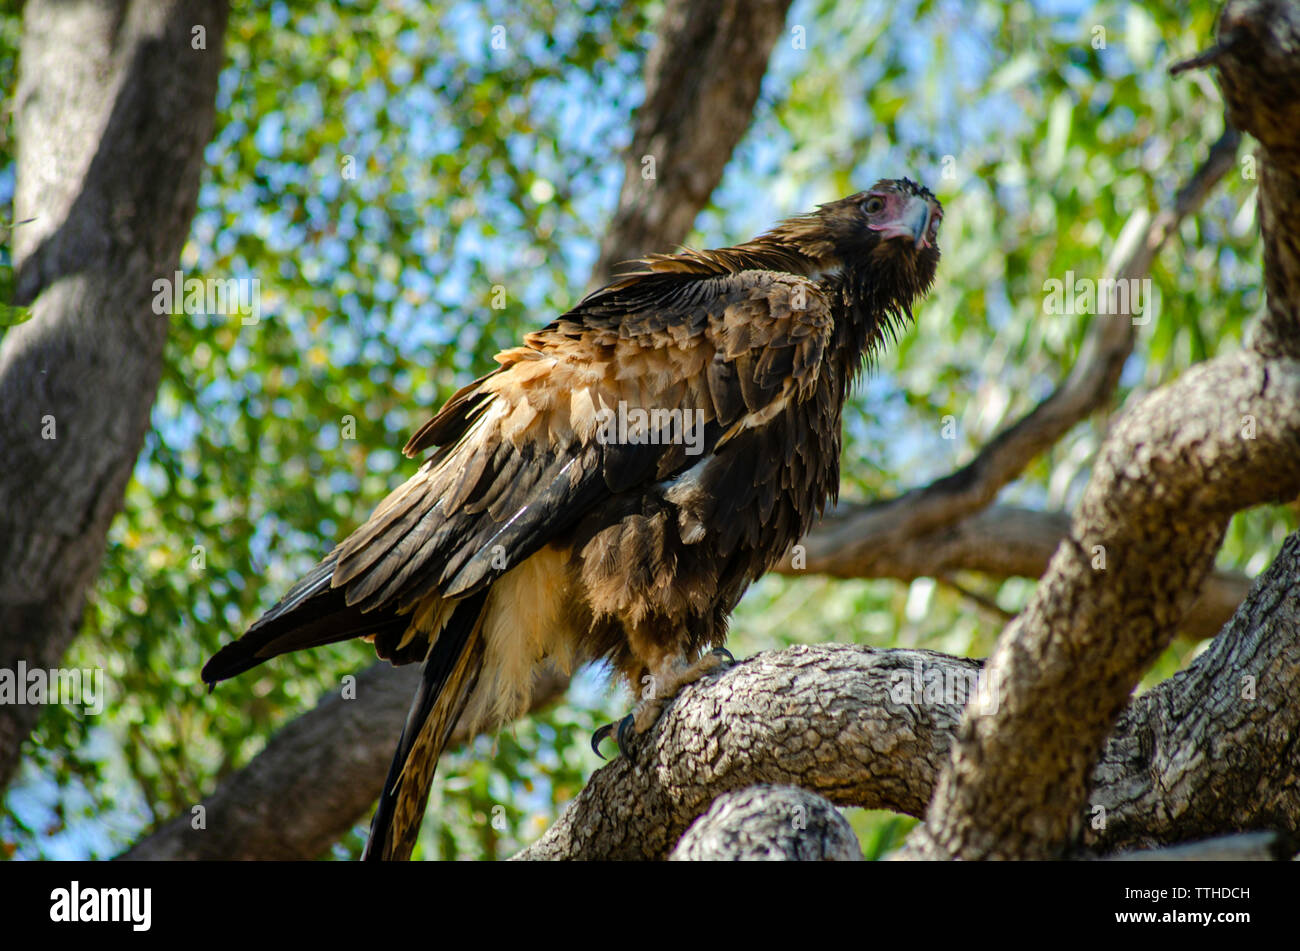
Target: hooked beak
x,y
913,224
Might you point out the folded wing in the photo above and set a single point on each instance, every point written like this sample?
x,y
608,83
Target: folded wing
x,y
524,452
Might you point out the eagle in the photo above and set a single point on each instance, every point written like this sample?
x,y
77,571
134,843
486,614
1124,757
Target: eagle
x,y
610,490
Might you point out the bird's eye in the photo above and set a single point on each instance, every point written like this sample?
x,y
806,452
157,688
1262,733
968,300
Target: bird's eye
x,y
873,205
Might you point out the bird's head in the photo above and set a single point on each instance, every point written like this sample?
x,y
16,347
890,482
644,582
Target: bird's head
x,y
878,248
892,228
875,252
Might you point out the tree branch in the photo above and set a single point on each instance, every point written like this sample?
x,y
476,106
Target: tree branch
x,y
702,80
820,718
1260,78
1003,541
1213,749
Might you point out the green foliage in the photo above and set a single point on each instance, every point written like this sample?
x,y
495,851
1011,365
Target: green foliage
x,y
384,172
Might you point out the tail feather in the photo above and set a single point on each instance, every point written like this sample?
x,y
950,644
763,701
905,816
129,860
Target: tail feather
x,y
449,676
311,614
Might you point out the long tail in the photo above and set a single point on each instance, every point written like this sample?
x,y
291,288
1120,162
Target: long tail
x,y
311,614
449,676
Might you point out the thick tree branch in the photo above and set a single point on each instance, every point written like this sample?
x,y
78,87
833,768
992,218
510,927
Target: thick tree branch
x,y
1213,748
820,718
114,107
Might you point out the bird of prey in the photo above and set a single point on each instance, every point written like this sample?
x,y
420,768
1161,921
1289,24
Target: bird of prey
x,y
612,488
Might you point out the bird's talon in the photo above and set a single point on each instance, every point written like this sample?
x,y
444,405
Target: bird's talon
x,y
599,737
608,730
623,724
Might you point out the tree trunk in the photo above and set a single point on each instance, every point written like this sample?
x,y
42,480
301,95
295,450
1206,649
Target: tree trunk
x,y
702,80
114,106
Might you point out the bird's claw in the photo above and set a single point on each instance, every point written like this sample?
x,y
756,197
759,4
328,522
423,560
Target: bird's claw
x,y
620,737
599,737
649,709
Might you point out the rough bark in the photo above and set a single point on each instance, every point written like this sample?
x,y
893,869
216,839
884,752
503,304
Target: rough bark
x,y
1213,749
690,55
112,112
702,80
820,718
772,824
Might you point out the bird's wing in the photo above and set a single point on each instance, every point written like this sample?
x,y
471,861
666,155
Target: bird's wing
x,y
522,455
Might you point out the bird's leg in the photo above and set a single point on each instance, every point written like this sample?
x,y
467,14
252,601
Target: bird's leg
x,y
665,683
659,686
